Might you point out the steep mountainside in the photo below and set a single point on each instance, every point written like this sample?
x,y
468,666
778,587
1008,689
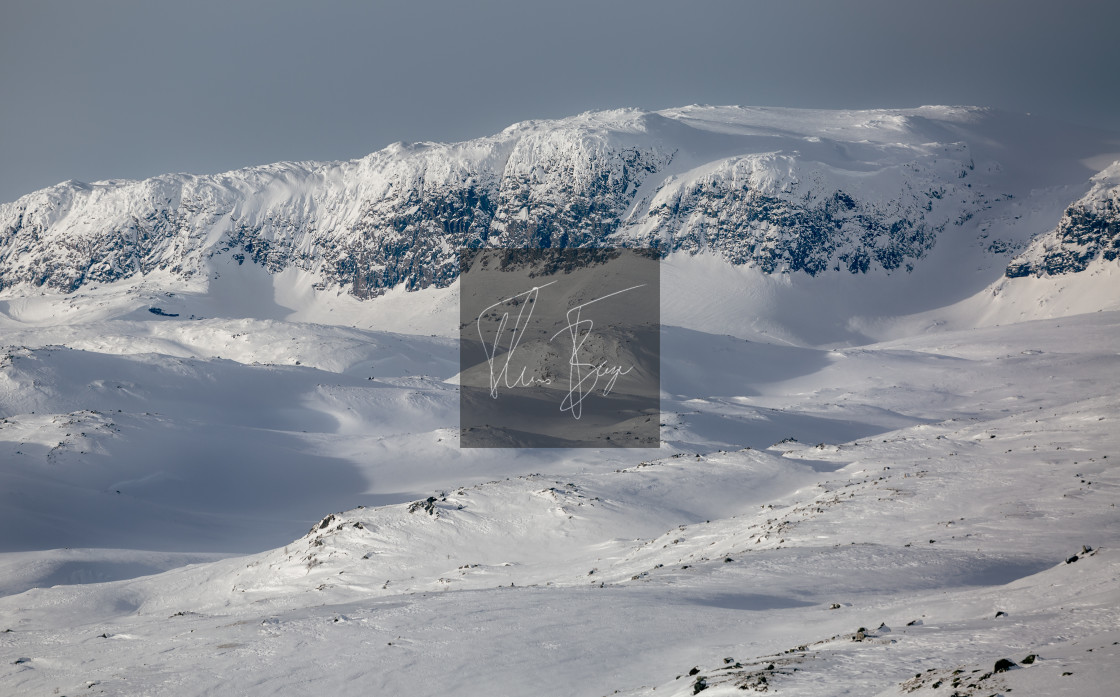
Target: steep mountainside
x,y
777,189
1089,230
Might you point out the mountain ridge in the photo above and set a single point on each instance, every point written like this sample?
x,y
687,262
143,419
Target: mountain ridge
x,y
783,190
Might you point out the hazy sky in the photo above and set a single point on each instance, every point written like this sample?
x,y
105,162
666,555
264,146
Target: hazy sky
x,y
98,89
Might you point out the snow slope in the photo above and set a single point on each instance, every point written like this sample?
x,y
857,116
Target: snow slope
x,y
980,469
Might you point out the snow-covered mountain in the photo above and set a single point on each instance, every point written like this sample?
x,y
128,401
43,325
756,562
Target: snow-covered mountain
x,y
1089,231
888,394
776,189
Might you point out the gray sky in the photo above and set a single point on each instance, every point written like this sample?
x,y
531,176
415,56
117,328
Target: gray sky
x,y
101,89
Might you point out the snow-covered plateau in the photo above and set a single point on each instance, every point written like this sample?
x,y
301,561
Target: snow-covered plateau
x,y
890,388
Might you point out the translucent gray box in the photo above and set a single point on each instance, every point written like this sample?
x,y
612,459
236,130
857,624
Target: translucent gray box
x,y
559,348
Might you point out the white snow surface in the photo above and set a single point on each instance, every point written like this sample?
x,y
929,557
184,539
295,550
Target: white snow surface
x,y
873,484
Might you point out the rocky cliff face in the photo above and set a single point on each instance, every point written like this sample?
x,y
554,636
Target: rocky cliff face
x,y
783,190
1089,230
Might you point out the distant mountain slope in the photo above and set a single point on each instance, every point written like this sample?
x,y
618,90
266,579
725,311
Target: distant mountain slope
x,y
1089,230
777,189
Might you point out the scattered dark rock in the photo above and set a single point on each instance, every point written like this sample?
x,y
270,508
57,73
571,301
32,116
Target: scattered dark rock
x,y
1003,665
1029,659
322,524
428,505
694,671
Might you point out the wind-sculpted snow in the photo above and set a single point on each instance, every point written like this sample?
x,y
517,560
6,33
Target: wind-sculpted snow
x,y
973,527
783,190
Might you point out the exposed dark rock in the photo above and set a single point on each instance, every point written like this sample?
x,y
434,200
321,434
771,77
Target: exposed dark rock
x,y
399,216
1089,230
428,505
